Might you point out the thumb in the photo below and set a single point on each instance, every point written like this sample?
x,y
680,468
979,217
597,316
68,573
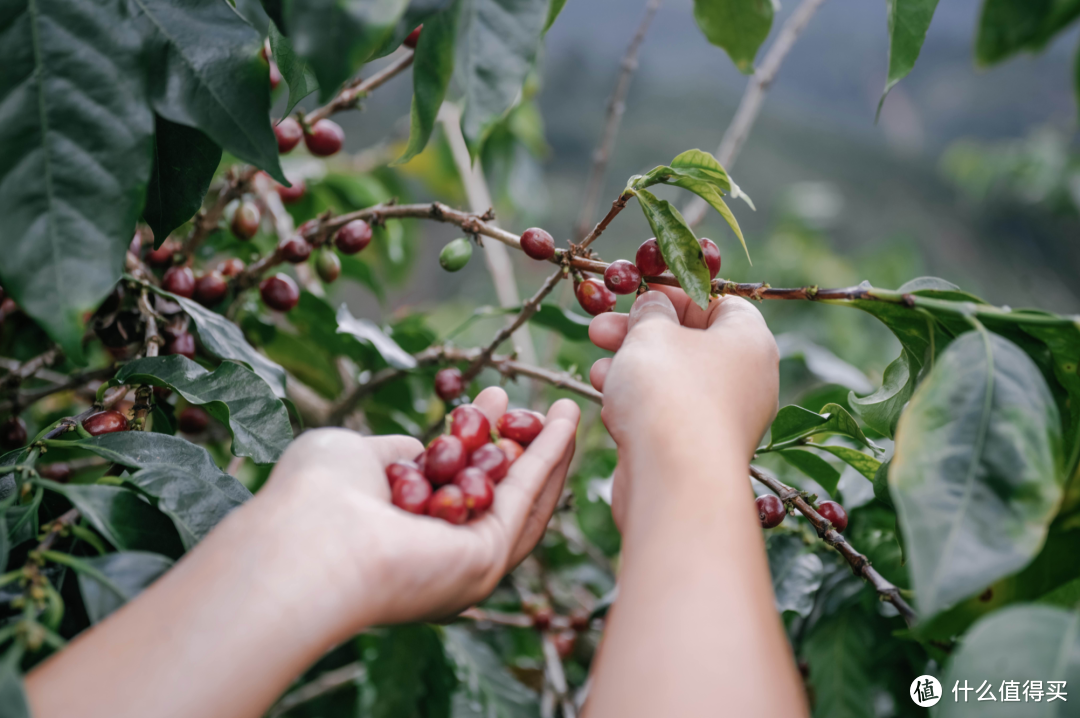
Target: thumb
x,y
652,306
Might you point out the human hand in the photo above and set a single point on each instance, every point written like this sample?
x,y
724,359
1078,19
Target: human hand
x,y
375,563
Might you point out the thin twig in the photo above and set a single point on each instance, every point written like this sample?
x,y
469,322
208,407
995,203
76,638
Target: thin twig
x,y
615,108
29,368
326,683
26,398
556,677
616,207
354,91
144,395
750,105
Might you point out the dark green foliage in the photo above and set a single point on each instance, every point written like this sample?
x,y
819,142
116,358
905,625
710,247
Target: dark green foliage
x,y
184,164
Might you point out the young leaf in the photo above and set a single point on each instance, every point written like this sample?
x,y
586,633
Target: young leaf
x,y
433,67
298,76
908,22
184,163
128,571
977,471
415,15
370,333
793,423
124,518
736,26
678,245
796,573
410,672
553,12
866,465
232,394
838,652
485,680
881,410
813,466
1007,27
76,141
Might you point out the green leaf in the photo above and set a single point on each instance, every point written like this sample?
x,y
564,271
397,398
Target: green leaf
x,y
410,672
76,141
129,571
881,485
1019,643
299,77
433,66
184,163
794,423
123,517
571,325
497,42
678,245
553,12
977,471
336,37
491,690
1007,27
370,333
736,26
415,15
881,410
838,652
796,573
908,22
12,695
813,466
866,465
232,394
205,72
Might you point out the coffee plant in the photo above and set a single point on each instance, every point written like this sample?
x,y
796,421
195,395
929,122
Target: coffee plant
x,y
159,353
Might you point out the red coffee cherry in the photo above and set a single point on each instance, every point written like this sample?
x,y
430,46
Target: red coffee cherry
x,y
246,220
180,281
541,617
193,420
295,250
413,38
421,462
275,75
231,267
325,138
471,425
105,422
649,259
13,433
448,384
279,292
834,513
520,425
511,450
211,288
56,471
490,459
478,489
579,620
162,256
622,277
448,504
288,133
564,643
403,470
594,297
771,511
181,343
291,195
445,457
411,494
353,237
712,256
537,243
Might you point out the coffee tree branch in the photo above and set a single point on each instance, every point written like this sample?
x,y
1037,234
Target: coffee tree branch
x,y
354,91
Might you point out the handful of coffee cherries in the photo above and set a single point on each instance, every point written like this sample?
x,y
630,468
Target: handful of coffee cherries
x,y
454,479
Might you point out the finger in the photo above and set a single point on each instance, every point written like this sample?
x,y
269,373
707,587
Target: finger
x,y
730,310
678,298
608,330
394,448
651,307
542,509
599,372
492,401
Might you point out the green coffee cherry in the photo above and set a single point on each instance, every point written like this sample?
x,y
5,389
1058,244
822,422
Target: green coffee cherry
x,y
328,265
455,255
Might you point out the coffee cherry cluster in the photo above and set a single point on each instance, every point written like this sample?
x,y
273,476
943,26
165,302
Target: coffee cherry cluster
x,y
771,512
322,139
454,479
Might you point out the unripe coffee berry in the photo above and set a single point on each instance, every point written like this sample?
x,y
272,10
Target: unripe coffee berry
x,y
295,250
180,281
471,426
162,256
181,343
594,297
771,511
403,470
511,450
649,259
105,422
13,433
712,256
455,255
448,383
413,38
193,420
293,194
353,237
448,504
211,288
246,220
622,277
520,425
834,513
325,138
537,243
231,267
279,292
328,266
477,488
412,495
490,459
445,457
288,133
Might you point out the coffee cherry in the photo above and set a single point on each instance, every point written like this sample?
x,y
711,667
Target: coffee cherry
x,y
421,462
105,422
541,618
295,250
162,256
520,425
279,292
446,456
448,384
288,133
834,513
490,459
275,75
537,243
246,220
413,38
579,620
353,237
511,450
594,297
181,343
328,266
455,255
448,504
13,433
180,281
193,420
564,643
56,471
325,138
412,494
403,470
231,267
649,259
622,277
770,510
478,489
712,256
291,195
211,288
471,425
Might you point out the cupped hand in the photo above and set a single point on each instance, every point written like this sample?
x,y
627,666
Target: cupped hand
x,y
380,564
